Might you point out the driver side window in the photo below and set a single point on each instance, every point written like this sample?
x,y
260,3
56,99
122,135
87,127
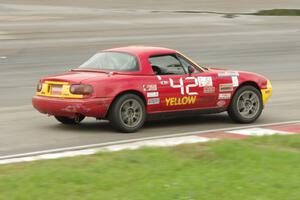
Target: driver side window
x,y
186,64
166,65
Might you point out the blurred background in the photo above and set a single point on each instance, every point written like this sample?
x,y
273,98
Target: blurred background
x,y
43,37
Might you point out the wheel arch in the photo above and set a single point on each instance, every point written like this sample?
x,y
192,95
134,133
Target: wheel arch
x,y
233,112
246,83
136,92
251,83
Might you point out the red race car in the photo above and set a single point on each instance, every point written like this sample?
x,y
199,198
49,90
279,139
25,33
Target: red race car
x,y
131,84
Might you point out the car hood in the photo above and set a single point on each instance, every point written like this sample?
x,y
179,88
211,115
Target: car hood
x,y
217,69
231,70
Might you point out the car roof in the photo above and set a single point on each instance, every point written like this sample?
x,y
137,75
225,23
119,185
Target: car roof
x,y
143,50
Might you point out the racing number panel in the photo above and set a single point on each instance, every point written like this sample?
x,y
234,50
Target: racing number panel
x,y
180,90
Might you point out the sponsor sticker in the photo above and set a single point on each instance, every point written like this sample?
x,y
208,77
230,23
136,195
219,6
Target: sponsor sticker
x,y
224,96
228,73
186,100
158,77
164,82
267,91
226,87
152,94
209,90
221,103
153,101
235,81
205,81
150,87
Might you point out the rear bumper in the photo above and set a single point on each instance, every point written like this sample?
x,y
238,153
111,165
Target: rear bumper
x,y
96,107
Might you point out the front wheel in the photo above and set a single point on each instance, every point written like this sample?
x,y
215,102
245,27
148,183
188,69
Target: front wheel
x,y
246,105
70,121
127,113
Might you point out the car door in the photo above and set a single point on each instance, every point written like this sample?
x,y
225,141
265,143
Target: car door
x,y
178,89
205,83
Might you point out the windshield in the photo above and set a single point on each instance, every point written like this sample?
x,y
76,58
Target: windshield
x,y
111,61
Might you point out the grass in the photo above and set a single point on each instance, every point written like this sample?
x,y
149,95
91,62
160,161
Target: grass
x,y
265,168
279,12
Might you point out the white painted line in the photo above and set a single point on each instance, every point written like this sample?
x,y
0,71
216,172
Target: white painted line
x,y
258,132
159,143
141,37
142,139
3,57
128,146
48,156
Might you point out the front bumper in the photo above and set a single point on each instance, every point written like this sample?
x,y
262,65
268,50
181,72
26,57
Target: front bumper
x,y
96,107
266,93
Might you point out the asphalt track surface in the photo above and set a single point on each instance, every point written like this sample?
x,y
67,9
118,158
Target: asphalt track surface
x,y
37,40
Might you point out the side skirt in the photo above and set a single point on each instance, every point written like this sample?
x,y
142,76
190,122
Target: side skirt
x,y
189,113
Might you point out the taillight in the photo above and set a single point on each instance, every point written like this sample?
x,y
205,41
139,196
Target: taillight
x,y
39,87
81,89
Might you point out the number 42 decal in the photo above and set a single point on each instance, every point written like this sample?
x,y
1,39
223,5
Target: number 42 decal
x,y
200,81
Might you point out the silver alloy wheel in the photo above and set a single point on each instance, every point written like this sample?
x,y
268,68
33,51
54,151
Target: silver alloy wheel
x,y
131,113
248,104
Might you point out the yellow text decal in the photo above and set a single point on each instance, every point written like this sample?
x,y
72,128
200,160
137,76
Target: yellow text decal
x,y
186,100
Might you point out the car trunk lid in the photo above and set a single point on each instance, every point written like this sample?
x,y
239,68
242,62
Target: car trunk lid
x,y
59,85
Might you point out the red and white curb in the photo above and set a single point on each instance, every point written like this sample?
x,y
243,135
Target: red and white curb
x,y
284,128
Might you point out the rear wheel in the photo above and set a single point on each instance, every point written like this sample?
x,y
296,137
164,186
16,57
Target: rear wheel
x,y
70,121
246,105
127,113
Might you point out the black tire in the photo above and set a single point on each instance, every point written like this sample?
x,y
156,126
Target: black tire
x,y
236,111
130,106
69,121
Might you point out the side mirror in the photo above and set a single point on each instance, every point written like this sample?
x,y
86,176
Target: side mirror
x,y
191,69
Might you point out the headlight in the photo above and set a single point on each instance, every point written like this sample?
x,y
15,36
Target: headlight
x,y
269,85
81,89
39,87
